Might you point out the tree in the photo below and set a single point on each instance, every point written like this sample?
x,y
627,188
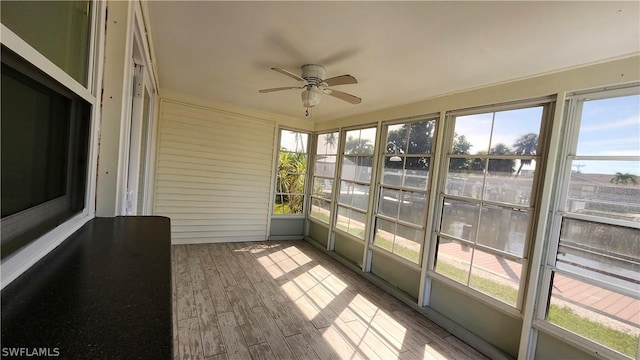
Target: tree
x,y
357,146
527,144
330,141
501,165
461,146
290,180
623,179
410,138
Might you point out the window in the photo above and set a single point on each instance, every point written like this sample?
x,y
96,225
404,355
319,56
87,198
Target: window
x,y
45,137
59,30
323,174
403,198
594,264
487,204
291,174
355,181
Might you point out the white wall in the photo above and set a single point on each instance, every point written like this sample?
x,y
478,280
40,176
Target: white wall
x,y
214,170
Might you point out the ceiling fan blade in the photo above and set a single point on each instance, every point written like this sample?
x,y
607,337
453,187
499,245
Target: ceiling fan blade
x,y
344,96
340,80
280,88
288,73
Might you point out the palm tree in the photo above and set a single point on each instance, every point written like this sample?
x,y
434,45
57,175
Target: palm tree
x,y
526,144
623,179
330,141
358,146
290,180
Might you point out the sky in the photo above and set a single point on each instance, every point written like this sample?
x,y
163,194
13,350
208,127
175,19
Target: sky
x,y
609,127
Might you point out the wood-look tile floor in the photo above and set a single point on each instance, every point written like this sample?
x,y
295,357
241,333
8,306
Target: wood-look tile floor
x,y
288,300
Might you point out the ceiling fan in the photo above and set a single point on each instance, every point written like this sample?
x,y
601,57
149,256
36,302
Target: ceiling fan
x,y
315,85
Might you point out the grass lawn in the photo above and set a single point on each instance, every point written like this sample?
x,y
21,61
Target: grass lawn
x,y
280,209
615,339
560,315
406,253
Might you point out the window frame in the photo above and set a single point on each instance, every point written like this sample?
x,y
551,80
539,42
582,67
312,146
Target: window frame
x,y
303,193
548,106
572,117
313,176
339,180
380,185
17,263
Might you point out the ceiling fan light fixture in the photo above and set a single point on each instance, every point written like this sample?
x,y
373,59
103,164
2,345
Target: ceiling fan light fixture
x,y
311,96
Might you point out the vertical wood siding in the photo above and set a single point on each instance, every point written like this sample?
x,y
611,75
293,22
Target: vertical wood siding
x,y
214,173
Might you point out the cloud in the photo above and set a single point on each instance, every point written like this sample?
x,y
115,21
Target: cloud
x,y
616,124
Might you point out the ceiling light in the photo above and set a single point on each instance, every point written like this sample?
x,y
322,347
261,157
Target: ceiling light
x,y
311,97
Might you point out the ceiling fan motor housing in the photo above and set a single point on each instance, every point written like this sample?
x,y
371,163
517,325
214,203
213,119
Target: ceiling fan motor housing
x,y
313,74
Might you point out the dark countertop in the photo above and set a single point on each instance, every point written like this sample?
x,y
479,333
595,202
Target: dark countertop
x,y
104,293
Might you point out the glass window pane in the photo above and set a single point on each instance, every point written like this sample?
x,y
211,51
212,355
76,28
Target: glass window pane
x,y
392,172
453,260
600,251
385,231
496,276
610,127
417,172
325,165
327,144
356,224
501,167
360,142
609,189
517,130
367,140
509,188
360,196
279,205
342,221
396,143
320,210
598,314
291,173
408,243
322,187
462,181
59,30
389,202
413,207
295,203
363,168
346,192
349,168
293,141
421,137
36,123
459,219
503,229
476,130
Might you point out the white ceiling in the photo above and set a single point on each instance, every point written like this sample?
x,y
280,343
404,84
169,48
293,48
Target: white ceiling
x,y
400,52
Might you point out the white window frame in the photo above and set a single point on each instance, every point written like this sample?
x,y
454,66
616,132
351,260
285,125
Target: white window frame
x,y
23,259
313,176
449,127
426,191
305,205
572,117
338,185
